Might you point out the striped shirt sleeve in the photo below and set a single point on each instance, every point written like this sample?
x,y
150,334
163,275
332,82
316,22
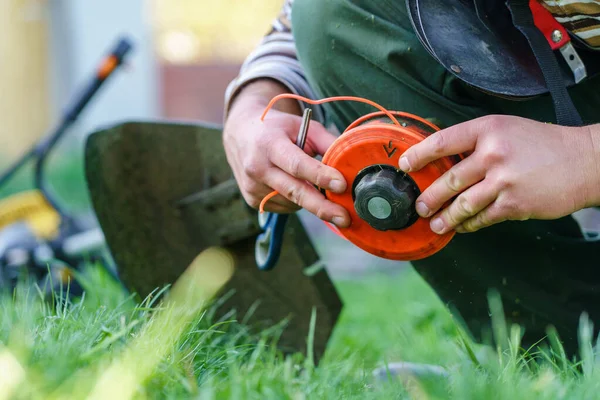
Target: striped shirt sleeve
x,y
580,17
275,58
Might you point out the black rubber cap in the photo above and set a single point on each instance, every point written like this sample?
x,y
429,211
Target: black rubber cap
x,y
385,198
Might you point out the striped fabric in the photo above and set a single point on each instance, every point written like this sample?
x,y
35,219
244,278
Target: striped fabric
x,y
275,58
284,20
580,17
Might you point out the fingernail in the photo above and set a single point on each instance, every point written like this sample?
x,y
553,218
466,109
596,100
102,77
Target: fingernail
x,y
339,222
404,164
422,209
437,225
337,186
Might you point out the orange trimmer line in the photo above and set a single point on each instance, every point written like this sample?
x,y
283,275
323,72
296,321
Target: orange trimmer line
x,y
399,113
315,102
327,100
266,199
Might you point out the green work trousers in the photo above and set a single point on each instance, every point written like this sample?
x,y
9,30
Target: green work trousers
x,y
546,271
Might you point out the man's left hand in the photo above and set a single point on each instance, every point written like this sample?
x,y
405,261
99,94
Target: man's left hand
x,y
514,169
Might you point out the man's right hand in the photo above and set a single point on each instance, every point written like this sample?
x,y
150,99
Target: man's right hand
x,y
264,157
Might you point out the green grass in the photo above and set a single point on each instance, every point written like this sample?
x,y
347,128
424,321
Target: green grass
x,y
62,348
59,348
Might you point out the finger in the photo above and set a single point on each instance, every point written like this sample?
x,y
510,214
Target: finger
x,y
454,181
464,207
491,215
451,141
279,209
280,204
306,196
278,199
291,159
255,191
276,203
318,139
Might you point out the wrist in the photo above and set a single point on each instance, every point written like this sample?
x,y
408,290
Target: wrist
x,y
256,95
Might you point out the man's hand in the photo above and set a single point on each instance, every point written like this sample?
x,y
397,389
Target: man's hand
x,y
264,157
515,169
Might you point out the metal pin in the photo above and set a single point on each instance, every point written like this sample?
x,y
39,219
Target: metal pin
x,y
301,139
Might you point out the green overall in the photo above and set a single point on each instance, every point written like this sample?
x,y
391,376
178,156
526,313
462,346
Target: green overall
x,y
546,271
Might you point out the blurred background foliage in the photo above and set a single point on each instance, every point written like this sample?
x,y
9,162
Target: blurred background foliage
x,y
186,51
192,31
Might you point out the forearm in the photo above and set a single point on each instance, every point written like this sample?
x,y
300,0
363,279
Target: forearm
x,y
274,60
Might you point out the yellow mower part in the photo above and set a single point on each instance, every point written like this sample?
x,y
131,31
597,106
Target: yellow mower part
x,y
32,208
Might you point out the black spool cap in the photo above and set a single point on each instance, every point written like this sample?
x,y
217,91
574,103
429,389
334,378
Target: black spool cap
x,y
385,197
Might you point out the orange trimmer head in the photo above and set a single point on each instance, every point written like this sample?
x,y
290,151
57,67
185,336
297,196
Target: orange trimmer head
x,y
380,197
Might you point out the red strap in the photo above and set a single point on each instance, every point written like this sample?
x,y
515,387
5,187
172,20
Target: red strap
x,y
546,23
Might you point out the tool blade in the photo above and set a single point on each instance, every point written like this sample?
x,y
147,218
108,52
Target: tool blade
x,y
163,192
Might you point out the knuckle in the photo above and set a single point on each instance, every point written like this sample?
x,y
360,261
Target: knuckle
x,y
477,222
501,148
451,217
470,228
294,194
432,199
503,182
482,218
321,177
322,213
496,150
463,206
252,168
295,166
438,142
453,181
489,157
470,225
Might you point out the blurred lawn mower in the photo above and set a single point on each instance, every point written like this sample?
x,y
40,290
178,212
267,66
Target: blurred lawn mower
x,y
39,239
